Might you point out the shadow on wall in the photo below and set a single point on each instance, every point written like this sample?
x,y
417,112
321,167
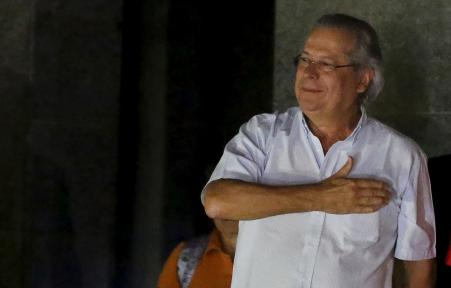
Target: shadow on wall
x,y
14,124
52,257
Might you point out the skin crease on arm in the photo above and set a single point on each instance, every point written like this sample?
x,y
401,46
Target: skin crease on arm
x,y
420,274
239,200
229,231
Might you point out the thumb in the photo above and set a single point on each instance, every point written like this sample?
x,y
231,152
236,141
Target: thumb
x,y
344,171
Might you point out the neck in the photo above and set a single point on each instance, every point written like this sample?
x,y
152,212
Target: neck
x,y
330,130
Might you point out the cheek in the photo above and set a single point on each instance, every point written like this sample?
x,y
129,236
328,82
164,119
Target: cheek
x,y
298,76
339,86
297,83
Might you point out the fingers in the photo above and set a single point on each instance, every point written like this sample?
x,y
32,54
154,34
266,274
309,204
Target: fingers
x,y
382,191
354,195
367,209
378,197
373,201
344,171
369,200
372,192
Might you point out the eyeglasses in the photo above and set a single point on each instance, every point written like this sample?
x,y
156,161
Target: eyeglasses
x,y
322,66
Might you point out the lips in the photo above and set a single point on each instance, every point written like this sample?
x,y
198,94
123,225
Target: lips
x,y
311,90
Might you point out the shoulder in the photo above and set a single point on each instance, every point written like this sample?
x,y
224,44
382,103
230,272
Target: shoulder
x,y
271,123
394,140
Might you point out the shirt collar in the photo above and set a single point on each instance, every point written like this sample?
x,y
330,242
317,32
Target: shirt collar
x,y
354,135
362,122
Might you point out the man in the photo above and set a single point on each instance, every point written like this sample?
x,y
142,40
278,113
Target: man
x,y
202,262
326,195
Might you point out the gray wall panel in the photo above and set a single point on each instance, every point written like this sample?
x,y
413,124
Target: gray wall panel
x,y
415,37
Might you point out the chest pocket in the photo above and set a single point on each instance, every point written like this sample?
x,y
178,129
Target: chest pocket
x,y
353,230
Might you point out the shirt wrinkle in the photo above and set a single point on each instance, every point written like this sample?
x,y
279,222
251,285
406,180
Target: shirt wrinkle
x,y
314,249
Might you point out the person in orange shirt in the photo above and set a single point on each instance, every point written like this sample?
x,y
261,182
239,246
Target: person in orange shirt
x,y
204,261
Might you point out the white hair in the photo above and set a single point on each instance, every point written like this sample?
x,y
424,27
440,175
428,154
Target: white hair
x,y
367,53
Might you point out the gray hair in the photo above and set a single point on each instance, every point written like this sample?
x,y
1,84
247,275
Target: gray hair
x,y
367,53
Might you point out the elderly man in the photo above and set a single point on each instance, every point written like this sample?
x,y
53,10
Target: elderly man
x,y
327,196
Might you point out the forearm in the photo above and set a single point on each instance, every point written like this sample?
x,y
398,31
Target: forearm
x,y
420,274
239,200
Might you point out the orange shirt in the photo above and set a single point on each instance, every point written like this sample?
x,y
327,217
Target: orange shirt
x,y
214,268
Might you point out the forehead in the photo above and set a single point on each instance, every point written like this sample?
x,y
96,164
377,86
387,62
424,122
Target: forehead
x,y
329,42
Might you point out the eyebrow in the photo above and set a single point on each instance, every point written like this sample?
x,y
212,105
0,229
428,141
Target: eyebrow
x,y
325,58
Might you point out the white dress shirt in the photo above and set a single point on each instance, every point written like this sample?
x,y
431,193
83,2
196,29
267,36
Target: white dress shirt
x,y
318,249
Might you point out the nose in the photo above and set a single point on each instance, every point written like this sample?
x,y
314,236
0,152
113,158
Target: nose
x,y
311,71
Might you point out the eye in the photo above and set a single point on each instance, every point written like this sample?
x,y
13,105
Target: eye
x,y
304,60
326,66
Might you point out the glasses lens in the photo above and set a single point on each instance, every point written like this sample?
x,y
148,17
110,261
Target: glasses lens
x,y
304,61
326,67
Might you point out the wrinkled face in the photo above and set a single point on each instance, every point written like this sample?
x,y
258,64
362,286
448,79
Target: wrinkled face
x,y
329,93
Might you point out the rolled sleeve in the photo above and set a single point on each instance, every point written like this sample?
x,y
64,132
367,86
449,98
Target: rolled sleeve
x,y
244,156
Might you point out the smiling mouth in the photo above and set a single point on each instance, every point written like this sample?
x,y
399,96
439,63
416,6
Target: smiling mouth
x,y
311,90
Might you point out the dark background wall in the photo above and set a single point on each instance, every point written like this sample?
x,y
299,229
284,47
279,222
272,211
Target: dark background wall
x,y
220,74
113,113
15,73
60,96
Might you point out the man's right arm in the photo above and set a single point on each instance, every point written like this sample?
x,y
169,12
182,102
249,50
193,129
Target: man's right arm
x,y
239,200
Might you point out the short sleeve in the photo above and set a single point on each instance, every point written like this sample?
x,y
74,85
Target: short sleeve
x,y
416,221
244,156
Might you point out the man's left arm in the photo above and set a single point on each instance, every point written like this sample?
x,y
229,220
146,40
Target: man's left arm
x,y
415,245
421,273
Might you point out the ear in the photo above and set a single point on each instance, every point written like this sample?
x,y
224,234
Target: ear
x,y
366,75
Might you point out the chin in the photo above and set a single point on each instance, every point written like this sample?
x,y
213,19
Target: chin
x,y
309,108
309,104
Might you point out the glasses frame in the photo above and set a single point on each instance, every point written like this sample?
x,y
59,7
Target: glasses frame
x,y
322,66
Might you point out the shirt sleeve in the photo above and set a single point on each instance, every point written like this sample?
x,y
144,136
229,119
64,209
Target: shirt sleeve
x,y
244,156
416,222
